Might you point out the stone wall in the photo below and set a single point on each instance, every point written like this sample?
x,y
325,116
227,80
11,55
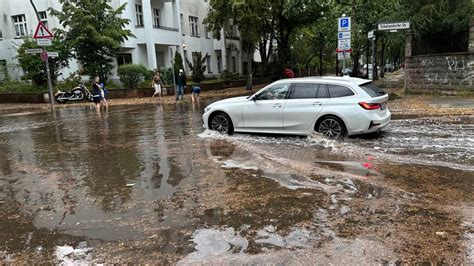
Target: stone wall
x,y
440,73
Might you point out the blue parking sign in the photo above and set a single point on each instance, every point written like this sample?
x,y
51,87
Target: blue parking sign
x,y
344,24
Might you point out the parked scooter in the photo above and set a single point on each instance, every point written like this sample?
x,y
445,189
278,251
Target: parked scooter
x,y
77,94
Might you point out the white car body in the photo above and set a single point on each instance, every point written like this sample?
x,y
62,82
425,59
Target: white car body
x,y
300,116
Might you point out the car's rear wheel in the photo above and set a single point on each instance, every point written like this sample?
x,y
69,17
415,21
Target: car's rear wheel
x,y
222,123
331,127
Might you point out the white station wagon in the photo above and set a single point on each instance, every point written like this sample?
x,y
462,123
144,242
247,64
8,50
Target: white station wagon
x,y
333,106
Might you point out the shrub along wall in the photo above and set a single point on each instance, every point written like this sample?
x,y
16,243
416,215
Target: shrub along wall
x,y
129,93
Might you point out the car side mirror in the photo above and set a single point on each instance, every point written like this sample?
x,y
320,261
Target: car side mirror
x,y
254,98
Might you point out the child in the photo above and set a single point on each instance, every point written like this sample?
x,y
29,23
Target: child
x,y
157,84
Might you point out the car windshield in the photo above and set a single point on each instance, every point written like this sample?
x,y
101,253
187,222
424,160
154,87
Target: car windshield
x,y
372,89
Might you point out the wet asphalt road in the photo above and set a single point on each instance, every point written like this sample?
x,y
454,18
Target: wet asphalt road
x,y
147,184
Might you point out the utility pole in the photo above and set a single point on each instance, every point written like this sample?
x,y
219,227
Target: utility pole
x,y
48,72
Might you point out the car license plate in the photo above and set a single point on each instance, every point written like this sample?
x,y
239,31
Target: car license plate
x,y
383,106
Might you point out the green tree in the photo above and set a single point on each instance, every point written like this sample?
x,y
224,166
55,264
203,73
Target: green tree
x,y
197,67
94,31
250,17
34,68
178,63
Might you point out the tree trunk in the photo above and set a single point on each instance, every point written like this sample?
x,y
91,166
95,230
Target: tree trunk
x,y
249,69
321,47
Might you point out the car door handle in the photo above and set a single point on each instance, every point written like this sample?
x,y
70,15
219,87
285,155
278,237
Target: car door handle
x,y
277,105
317,103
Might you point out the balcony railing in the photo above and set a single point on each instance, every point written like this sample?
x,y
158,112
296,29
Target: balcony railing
x,y
165,28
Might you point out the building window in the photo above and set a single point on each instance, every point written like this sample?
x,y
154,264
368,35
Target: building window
x,y
44,18
234,64
208,64
124,59
19,22
206,32
193,26
182,23
156,17
139,15
219,63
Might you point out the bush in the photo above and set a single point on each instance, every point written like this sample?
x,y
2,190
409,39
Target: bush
x,y
131,75
20,87
71,81
167,76
228,76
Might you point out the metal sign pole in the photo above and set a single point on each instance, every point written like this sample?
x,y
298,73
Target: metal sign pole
x,y
48,73
373,58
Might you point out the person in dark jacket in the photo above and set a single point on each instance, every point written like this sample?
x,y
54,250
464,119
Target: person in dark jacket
x,y
97,93
180,85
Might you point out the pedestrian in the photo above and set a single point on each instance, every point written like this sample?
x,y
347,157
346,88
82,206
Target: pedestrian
x,y
157,83
196,90
96,93
180,85
103,93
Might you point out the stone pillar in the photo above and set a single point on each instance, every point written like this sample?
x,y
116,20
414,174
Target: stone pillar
x,y
148,27
471,37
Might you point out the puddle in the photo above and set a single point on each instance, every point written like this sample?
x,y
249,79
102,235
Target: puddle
x,y
146,183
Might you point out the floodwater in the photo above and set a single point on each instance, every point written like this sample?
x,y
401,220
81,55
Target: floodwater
x,y
146,183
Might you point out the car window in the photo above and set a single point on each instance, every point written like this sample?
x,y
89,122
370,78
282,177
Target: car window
x,y
372,89
322,92
339,91
304,91
275,92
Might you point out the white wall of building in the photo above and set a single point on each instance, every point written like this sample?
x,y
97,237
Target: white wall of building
x,y
151,45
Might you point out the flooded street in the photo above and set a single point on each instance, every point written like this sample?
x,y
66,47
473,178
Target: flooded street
x,y
147,183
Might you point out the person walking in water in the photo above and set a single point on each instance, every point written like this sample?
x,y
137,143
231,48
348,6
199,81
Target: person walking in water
x,y
97,93
180,85
157,84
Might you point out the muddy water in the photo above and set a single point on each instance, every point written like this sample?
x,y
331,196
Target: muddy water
x,y
146,183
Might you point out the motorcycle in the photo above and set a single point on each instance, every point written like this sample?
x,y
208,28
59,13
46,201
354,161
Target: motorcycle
x,y
77,94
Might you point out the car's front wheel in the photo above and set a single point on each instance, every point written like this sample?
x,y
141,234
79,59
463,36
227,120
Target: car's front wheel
x,y
331,127
222,123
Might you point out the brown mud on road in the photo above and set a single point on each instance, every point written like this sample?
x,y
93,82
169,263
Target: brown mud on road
x,y
144,183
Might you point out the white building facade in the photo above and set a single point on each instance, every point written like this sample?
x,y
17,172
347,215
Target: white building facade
x,y
161,27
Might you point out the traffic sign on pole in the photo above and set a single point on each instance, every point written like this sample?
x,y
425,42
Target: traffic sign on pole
x,y
42,32
44,56
343,35
53,54
344,24
402,25
371,34
43,42
34,51
344,44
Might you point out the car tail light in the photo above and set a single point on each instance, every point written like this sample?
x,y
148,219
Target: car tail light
x,y
369,106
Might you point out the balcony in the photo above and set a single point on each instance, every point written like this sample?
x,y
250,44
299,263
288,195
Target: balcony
x,y
165,28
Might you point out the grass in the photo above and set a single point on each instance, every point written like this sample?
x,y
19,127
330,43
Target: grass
x,y
20,87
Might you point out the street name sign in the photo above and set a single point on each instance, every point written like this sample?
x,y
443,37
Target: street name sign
x,y
43,42
402,25
53,54
34,51
42,32
344,24
344,35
